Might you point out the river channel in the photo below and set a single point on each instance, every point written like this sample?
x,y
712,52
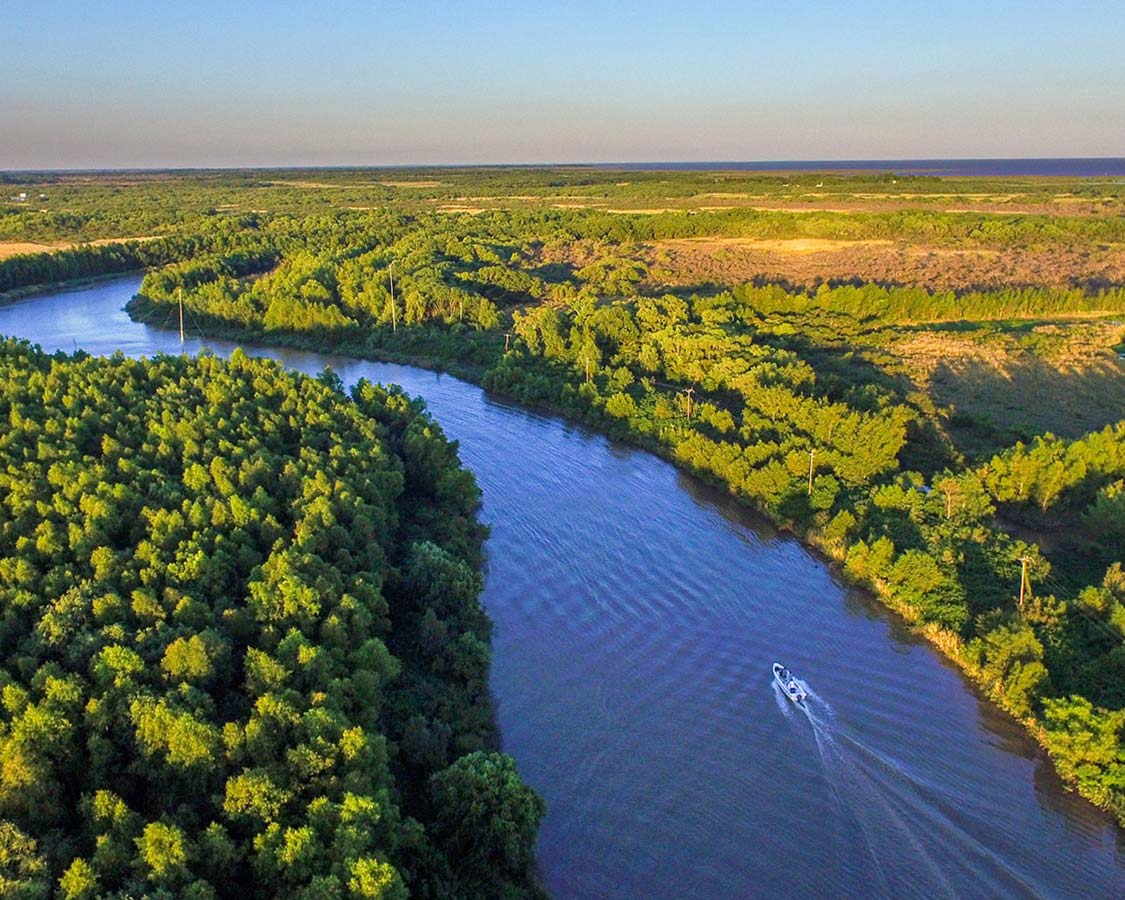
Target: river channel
x,y
637,614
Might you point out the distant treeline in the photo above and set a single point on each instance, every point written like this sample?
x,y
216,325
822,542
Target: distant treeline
x,y
87,206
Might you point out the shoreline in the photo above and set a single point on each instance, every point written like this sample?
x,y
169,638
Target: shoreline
x,y
65,286
947,644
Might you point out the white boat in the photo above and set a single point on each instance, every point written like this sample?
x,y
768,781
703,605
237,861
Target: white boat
x,y
788,684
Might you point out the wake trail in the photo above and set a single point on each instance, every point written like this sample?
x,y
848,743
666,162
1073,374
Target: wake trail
x,y
941,819
877,865
860,772
874,814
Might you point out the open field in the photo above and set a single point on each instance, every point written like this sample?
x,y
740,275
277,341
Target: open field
x,y
17,248
1008,381
812,261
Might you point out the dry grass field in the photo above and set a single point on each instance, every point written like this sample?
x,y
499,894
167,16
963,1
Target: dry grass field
x,y
812,261
16,248
1013,379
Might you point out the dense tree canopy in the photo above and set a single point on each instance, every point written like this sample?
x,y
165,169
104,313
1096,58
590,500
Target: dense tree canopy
x,y
240,635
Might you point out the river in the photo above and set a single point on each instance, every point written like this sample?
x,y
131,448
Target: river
x,y
637,613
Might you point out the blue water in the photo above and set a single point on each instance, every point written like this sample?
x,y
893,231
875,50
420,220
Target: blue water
x,y
1086,167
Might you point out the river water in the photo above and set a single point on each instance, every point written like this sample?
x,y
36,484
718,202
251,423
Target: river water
x,y
637,614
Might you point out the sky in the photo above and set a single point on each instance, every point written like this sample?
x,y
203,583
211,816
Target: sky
x,y
249,83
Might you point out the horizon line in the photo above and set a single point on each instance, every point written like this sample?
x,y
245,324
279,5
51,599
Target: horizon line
x,y
765,164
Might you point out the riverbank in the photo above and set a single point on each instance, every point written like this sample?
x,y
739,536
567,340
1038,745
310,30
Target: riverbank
x,y
70,284
833,551
634,607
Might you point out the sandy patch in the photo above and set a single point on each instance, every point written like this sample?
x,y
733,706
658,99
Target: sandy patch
x,y
412,184
993,212
307,184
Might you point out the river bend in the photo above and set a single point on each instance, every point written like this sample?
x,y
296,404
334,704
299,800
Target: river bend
x,y
637,613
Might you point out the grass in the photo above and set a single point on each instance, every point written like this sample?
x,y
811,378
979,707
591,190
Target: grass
x,y
1007,381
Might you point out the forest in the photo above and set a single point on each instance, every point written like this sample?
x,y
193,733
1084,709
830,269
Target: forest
x,y
243,653
797,395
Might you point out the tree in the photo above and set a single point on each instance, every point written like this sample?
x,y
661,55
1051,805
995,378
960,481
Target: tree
x,y
23,872
488,819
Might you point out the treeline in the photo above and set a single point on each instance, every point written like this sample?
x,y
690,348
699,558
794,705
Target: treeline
x,y
904,305
909,225
242,650
218,238
117,205
1052,473
336,275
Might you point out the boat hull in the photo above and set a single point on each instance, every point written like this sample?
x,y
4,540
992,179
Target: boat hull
x,y
788,684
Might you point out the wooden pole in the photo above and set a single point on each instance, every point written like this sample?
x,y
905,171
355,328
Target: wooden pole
x,y
394,318
1023,579
812,453
507,337
180,295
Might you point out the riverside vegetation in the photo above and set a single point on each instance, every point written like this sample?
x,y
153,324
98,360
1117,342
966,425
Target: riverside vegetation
x,y
796,397
243,654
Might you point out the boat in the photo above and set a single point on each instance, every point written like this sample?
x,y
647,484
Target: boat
x,y
788,684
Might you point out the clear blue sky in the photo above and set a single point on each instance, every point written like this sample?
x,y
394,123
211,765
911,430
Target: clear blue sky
x,y
256,83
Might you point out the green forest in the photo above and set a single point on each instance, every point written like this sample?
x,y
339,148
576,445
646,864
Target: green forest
x,y
330,666
243,654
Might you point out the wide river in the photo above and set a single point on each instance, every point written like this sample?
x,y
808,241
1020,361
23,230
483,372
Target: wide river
x,y
637,614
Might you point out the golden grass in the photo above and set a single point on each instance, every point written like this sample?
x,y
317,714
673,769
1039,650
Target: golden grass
x,y
1063,376
16,248
775,245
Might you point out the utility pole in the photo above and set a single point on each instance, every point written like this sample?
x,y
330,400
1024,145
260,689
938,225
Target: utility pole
x,y
812,454
394,318
507,337
1023,579
180,296
689,393
587,359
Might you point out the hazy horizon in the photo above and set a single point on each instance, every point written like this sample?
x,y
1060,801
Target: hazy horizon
x,y
395,84
758,165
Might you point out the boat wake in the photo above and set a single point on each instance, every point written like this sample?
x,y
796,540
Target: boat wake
x,y
919,840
